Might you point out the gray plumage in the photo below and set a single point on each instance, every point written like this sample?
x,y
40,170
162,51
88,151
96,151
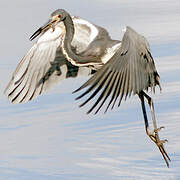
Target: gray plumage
x,y
130,70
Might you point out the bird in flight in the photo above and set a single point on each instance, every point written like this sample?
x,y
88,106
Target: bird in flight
x,y
71,46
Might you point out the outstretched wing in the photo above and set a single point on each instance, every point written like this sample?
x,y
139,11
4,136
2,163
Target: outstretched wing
x,y
130,70
44,65
23,85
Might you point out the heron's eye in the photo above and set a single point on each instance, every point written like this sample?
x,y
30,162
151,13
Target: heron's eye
x,y
59,16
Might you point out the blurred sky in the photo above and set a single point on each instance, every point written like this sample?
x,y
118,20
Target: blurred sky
x,y
51,138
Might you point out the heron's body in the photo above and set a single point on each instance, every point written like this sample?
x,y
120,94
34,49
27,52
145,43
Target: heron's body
x,y
68,45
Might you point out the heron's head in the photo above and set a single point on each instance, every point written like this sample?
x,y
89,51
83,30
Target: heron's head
x,y
56,17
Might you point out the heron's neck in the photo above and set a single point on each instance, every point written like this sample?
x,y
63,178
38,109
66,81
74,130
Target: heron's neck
x,y
69,32
70,55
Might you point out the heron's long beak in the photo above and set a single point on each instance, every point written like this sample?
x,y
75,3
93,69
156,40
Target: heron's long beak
x,y
41,29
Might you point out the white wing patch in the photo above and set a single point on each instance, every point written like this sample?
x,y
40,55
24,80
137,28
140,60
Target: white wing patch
x,y
85,33
93,29
110,52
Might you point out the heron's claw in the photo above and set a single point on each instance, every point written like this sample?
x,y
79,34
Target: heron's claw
x,y
155,138
158,129
161,142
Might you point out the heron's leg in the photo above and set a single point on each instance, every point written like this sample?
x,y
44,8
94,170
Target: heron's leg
x,y
153,134
144,113
148,131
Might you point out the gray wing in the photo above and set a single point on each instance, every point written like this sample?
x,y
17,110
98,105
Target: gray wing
x,y
130,70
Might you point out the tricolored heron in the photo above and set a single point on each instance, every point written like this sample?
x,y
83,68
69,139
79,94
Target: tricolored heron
x,y
122,68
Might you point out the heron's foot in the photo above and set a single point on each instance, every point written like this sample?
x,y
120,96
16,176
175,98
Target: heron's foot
x,y
155,138
158,129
